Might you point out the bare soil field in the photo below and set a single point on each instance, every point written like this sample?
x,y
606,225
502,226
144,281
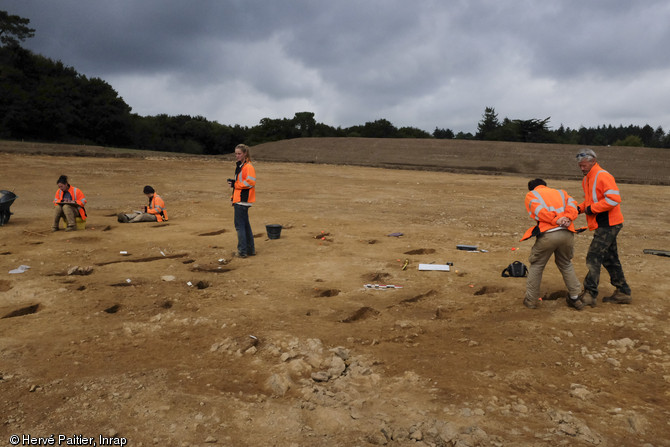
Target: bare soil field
x,y
177,343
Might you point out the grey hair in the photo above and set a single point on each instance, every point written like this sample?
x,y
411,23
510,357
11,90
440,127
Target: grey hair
x,y
586,154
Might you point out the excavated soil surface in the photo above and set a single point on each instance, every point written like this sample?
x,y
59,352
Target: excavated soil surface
x,y
178,343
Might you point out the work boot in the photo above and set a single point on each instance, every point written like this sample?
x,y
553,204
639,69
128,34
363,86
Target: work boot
x,y
122,218
588,299
575,304
618,297
71,229
531,304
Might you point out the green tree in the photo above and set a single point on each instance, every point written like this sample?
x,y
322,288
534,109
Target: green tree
x,y
443,134
533,130
14,29
630,140
465,136
412,132
305,123
379,129
647,135
488,125
659,135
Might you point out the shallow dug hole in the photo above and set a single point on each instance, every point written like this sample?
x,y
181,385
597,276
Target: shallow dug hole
x,y
421,251
213,233
113,309
328,293
489,290
23,311
361,314
377,276
5,285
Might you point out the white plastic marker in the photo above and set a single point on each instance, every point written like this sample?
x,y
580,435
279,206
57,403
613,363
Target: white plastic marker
x,y
439,267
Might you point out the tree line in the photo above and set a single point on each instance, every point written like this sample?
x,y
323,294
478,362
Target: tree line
x,y
537,131
45,100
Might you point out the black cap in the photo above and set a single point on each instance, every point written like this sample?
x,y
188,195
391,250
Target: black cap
x,y
148,190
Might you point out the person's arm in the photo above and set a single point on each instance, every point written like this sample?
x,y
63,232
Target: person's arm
x,y
608,190
538,211
78,197
571,208
157,206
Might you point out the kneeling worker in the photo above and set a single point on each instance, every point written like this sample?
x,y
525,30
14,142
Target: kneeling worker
x,y
554,210
154,212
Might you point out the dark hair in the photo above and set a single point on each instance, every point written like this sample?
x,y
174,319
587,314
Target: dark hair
x,y
535,183
62,179
148,190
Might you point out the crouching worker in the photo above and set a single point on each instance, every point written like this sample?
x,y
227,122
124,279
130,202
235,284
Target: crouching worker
x,y
154,212
69,202
554,210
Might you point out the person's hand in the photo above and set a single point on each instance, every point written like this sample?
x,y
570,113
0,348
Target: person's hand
x,y
564,221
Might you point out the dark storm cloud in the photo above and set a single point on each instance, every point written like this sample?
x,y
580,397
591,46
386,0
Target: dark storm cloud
x,y
425,64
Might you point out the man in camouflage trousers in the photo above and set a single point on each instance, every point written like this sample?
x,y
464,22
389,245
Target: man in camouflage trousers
x,y
603,216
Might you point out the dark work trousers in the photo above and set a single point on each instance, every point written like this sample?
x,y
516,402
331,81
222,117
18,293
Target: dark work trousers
x,y
603,252
245,238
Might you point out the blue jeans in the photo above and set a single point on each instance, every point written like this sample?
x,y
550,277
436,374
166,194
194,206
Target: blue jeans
x,y
245,238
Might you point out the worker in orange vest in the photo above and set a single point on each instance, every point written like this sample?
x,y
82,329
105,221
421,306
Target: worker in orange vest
x,y
602,207
154,212
69,202
554,211
244,195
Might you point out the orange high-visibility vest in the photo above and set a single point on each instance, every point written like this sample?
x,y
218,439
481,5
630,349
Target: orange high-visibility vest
x,y
77,196
602,195
245,184
157,207
546,206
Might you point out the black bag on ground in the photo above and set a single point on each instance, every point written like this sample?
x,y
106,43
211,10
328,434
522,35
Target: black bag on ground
x,y
516,269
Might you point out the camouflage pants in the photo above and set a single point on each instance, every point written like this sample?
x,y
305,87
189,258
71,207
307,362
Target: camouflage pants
x,y
603,252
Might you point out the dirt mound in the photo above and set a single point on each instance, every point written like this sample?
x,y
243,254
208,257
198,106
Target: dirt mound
x,y
532,160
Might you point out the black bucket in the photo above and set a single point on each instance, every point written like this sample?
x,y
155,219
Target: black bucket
x,y
274,231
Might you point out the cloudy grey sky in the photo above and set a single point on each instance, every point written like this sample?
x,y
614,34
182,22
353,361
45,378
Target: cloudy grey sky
x,y
419,63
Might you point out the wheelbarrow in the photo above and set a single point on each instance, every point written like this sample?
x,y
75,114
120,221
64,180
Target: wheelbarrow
x,y
6,200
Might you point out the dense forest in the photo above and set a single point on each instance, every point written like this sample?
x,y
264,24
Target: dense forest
x,y
47,101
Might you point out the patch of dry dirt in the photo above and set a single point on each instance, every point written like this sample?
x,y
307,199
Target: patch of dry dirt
x,y
289,348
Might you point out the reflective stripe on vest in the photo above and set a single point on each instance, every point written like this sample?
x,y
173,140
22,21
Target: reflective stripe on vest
x,y
609,192
543,205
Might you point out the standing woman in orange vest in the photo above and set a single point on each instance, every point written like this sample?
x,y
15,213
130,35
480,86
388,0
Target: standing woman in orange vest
x,y
69,202
244,195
